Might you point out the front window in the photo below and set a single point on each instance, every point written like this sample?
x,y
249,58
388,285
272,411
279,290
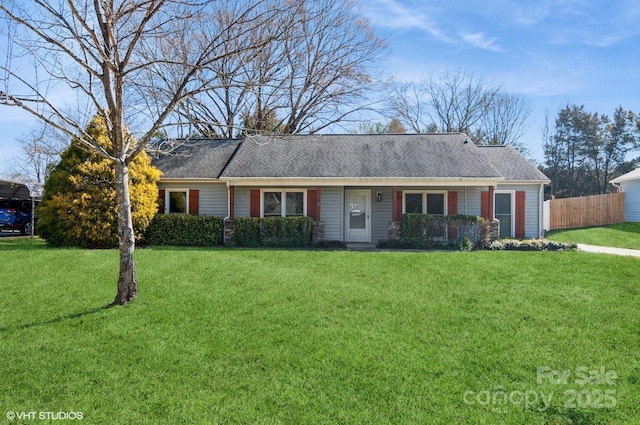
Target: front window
x,y
413,203
283,203
432,203
177,202
272,204
435,203
295,203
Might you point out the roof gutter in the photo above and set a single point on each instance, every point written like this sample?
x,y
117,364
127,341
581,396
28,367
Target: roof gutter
x,y
191,180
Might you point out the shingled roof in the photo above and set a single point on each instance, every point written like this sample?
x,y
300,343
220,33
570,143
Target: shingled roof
x,y
431,156
197,159
511,164
359,156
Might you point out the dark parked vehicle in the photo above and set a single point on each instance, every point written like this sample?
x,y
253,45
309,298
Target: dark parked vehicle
x,y
16,214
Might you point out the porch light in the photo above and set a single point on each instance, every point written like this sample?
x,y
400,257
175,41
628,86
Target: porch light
x,y
379,197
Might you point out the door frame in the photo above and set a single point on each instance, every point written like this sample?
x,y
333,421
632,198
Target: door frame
x,y
363,236
512,231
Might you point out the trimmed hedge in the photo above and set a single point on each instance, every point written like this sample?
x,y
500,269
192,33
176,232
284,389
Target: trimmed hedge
x,y
283,232
185,230
433,231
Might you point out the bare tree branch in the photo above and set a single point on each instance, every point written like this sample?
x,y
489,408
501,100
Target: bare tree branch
x,y
110,55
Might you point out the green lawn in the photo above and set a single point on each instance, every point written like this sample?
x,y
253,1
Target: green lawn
x,y
621,235
312,337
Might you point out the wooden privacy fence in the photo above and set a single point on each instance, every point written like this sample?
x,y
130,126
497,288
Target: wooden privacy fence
x,y
595,210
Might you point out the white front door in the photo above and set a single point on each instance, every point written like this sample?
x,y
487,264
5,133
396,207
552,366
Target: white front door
x,y
357,215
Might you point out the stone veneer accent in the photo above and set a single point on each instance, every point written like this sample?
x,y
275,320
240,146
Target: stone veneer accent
x,y
492,231
395,231
229,232
317,233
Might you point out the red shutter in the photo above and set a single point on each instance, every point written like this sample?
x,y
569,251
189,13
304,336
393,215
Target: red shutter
x,y
254,209
520,204
397,205
452,203
161,201
484,204
194,201
313,209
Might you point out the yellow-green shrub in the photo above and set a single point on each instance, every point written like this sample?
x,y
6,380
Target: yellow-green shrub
x,y
79,206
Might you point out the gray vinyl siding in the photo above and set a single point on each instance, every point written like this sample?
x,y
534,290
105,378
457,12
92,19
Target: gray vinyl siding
x,y
473,201
242,205
631,191
213,196
531,208
381,213
213,201
331,212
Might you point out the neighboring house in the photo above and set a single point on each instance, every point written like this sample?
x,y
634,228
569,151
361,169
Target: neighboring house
x,y
629,184
356,185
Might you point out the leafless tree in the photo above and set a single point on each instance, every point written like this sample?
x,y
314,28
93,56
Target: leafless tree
x,y
505,121
131,62
40,151
408,104
458,101
315,72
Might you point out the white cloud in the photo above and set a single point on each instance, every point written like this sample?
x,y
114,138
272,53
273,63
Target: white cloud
x,y
479,40
394,15
606,40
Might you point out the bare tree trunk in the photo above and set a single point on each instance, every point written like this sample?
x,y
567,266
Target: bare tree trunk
x,y
127,284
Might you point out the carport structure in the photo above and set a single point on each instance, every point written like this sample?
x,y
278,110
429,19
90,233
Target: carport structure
x,y
22,190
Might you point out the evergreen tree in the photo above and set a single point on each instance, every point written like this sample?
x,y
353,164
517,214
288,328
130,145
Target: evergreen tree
x,y
79,206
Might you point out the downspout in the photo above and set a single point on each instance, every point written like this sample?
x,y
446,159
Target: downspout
x,y
617,186
228,202
541,211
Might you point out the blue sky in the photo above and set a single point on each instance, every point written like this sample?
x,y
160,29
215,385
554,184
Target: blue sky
x,y
553,52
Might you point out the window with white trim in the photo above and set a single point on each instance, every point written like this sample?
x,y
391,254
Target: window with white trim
x,y
177,201
283,203
425,202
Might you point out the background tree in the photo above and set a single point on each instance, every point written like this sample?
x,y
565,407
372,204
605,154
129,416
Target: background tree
x,y
504,122
608,151
458,101
132,63
77,207
393,127
260,122
584,151
314,73
40,152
